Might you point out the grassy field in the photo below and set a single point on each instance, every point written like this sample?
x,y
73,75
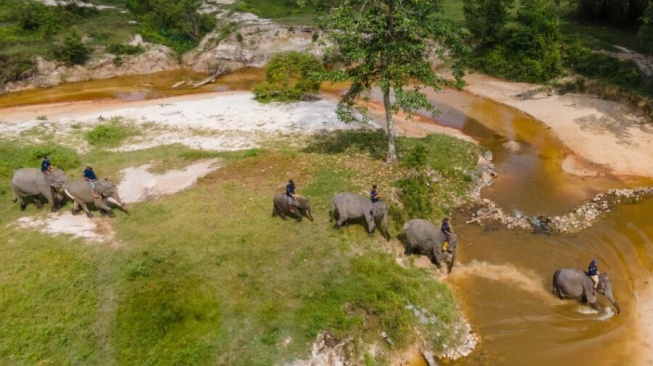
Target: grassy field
x,y
207,276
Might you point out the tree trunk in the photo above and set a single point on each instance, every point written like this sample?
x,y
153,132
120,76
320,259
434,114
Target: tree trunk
x,y
392,149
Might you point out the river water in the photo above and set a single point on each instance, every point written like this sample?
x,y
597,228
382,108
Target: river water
x,y
503,282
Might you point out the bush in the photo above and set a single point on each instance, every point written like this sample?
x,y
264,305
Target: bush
x,y
15,68
288,77
109,134
594,64
72,51
124,49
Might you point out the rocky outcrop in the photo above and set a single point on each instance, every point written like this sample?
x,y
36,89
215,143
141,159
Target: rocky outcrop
x,y
102,66
252,44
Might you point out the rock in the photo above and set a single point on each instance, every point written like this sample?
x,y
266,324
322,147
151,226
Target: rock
x,y
511,146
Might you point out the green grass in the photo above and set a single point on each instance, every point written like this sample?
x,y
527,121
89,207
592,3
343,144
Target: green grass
x,y
284,11
110,134
207,277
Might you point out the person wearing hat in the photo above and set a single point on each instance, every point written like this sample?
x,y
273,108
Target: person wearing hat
x,y
46,166
90,177
593,272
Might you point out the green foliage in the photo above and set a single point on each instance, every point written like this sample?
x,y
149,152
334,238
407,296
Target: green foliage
x,y
289,76
623,13
15,156
177,24
387,44
15,67
124,49
486,19
527,51
72,50
599,64
281,10
109,134
646,30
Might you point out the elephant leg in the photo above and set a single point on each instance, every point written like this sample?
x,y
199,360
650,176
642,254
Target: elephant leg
x,y
340,222
274,211
49,195
99,203
437,259
38,203
23,204
83,206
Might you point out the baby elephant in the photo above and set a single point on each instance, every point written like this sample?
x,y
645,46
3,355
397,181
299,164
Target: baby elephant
x,y
425,238
302,207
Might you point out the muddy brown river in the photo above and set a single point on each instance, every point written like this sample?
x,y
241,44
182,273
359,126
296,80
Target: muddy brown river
x,y
503,282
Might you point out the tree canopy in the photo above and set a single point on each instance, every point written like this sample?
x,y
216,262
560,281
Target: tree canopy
x,y
390,44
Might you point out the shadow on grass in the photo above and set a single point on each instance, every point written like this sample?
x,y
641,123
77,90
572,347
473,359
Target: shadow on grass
x,y
373,142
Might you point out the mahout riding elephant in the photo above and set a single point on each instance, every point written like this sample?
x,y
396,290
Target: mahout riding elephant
x,y
575,283
302,207
33,182
80,191
423,237
352,206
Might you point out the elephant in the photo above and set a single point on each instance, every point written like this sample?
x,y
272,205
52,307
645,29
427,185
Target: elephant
x,y
302,207
424,237
577,284
352,206
32,182
79,190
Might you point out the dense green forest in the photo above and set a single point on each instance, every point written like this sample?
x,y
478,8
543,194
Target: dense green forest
x,y
522,40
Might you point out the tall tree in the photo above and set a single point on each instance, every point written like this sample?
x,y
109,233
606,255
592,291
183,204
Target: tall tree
x,y
646,29
389,44
485,19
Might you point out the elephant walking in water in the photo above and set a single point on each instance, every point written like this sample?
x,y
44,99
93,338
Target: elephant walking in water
x,y
348,205
33,182
80,191
302,207
577,284
424,237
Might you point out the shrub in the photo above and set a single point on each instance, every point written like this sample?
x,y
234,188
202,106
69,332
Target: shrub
x,y
15,67
109,134
288,77
124,49
72,51
595,64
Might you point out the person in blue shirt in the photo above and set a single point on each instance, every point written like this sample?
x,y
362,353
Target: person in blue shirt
x,y
291,196
46,166
446,229
374,194
90,177
593,272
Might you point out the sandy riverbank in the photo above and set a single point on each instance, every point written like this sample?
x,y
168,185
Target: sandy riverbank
x,y
603,136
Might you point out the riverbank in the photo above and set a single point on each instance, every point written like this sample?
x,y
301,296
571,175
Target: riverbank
x,y
602,137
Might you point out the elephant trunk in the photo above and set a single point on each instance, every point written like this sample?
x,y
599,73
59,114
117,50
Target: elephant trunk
x,y
616,307
308,214
116,200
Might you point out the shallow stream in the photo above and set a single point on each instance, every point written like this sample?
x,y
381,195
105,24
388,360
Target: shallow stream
x,y
503,282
